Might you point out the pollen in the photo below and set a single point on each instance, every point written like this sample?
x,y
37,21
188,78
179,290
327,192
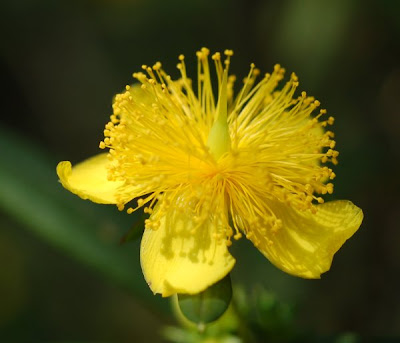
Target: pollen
x,y
219,151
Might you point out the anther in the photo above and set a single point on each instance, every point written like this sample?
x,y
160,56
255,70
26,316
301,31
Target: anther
x,y
237,236
157,66
216,56
148,210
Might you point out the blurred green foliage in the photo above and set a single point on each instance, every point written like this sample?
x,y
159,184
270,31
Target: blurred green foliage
x,y
61,64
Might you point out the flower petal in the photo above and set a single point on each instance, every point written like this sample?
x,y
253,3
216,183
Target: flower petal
x,y
305,244
88,179
179,258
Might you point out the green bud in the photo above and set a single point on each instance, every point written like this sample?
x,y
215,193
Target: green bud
x,y
209,305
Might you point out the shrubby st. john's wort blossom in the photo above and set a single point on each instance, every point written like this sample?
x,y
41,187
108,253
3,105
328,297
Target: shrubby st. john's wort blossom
x,y
209,170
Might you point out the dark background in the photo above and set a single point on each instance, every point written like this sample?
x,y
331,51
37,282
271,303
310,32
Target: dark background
x,y
61,62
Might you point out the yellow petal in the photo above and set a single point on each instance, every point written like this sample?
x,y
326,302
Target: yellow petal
x,y
304,246
176,260
88,179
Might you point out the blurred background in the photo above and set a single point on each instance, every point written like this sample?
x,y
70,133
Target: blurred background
x,y
64,277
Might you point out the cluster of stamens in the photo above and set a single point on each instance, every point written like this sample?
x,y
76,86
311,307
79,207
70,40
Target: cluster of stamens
x,y
157,141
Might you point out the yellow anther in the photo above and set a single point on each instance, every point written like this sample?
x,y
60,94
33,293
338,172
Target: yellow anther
x,y
157,66
237,236
335,153
216,56
148,210
329,188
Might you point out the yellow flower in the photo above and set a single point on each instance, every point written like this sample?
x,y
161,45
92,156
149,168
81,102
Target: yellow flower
x,y
208,170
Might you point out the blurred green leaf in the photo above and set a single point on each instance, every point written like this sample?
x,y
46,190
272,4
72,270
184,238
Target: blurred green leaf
x,y
311,33
31,194
134,232
348,338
